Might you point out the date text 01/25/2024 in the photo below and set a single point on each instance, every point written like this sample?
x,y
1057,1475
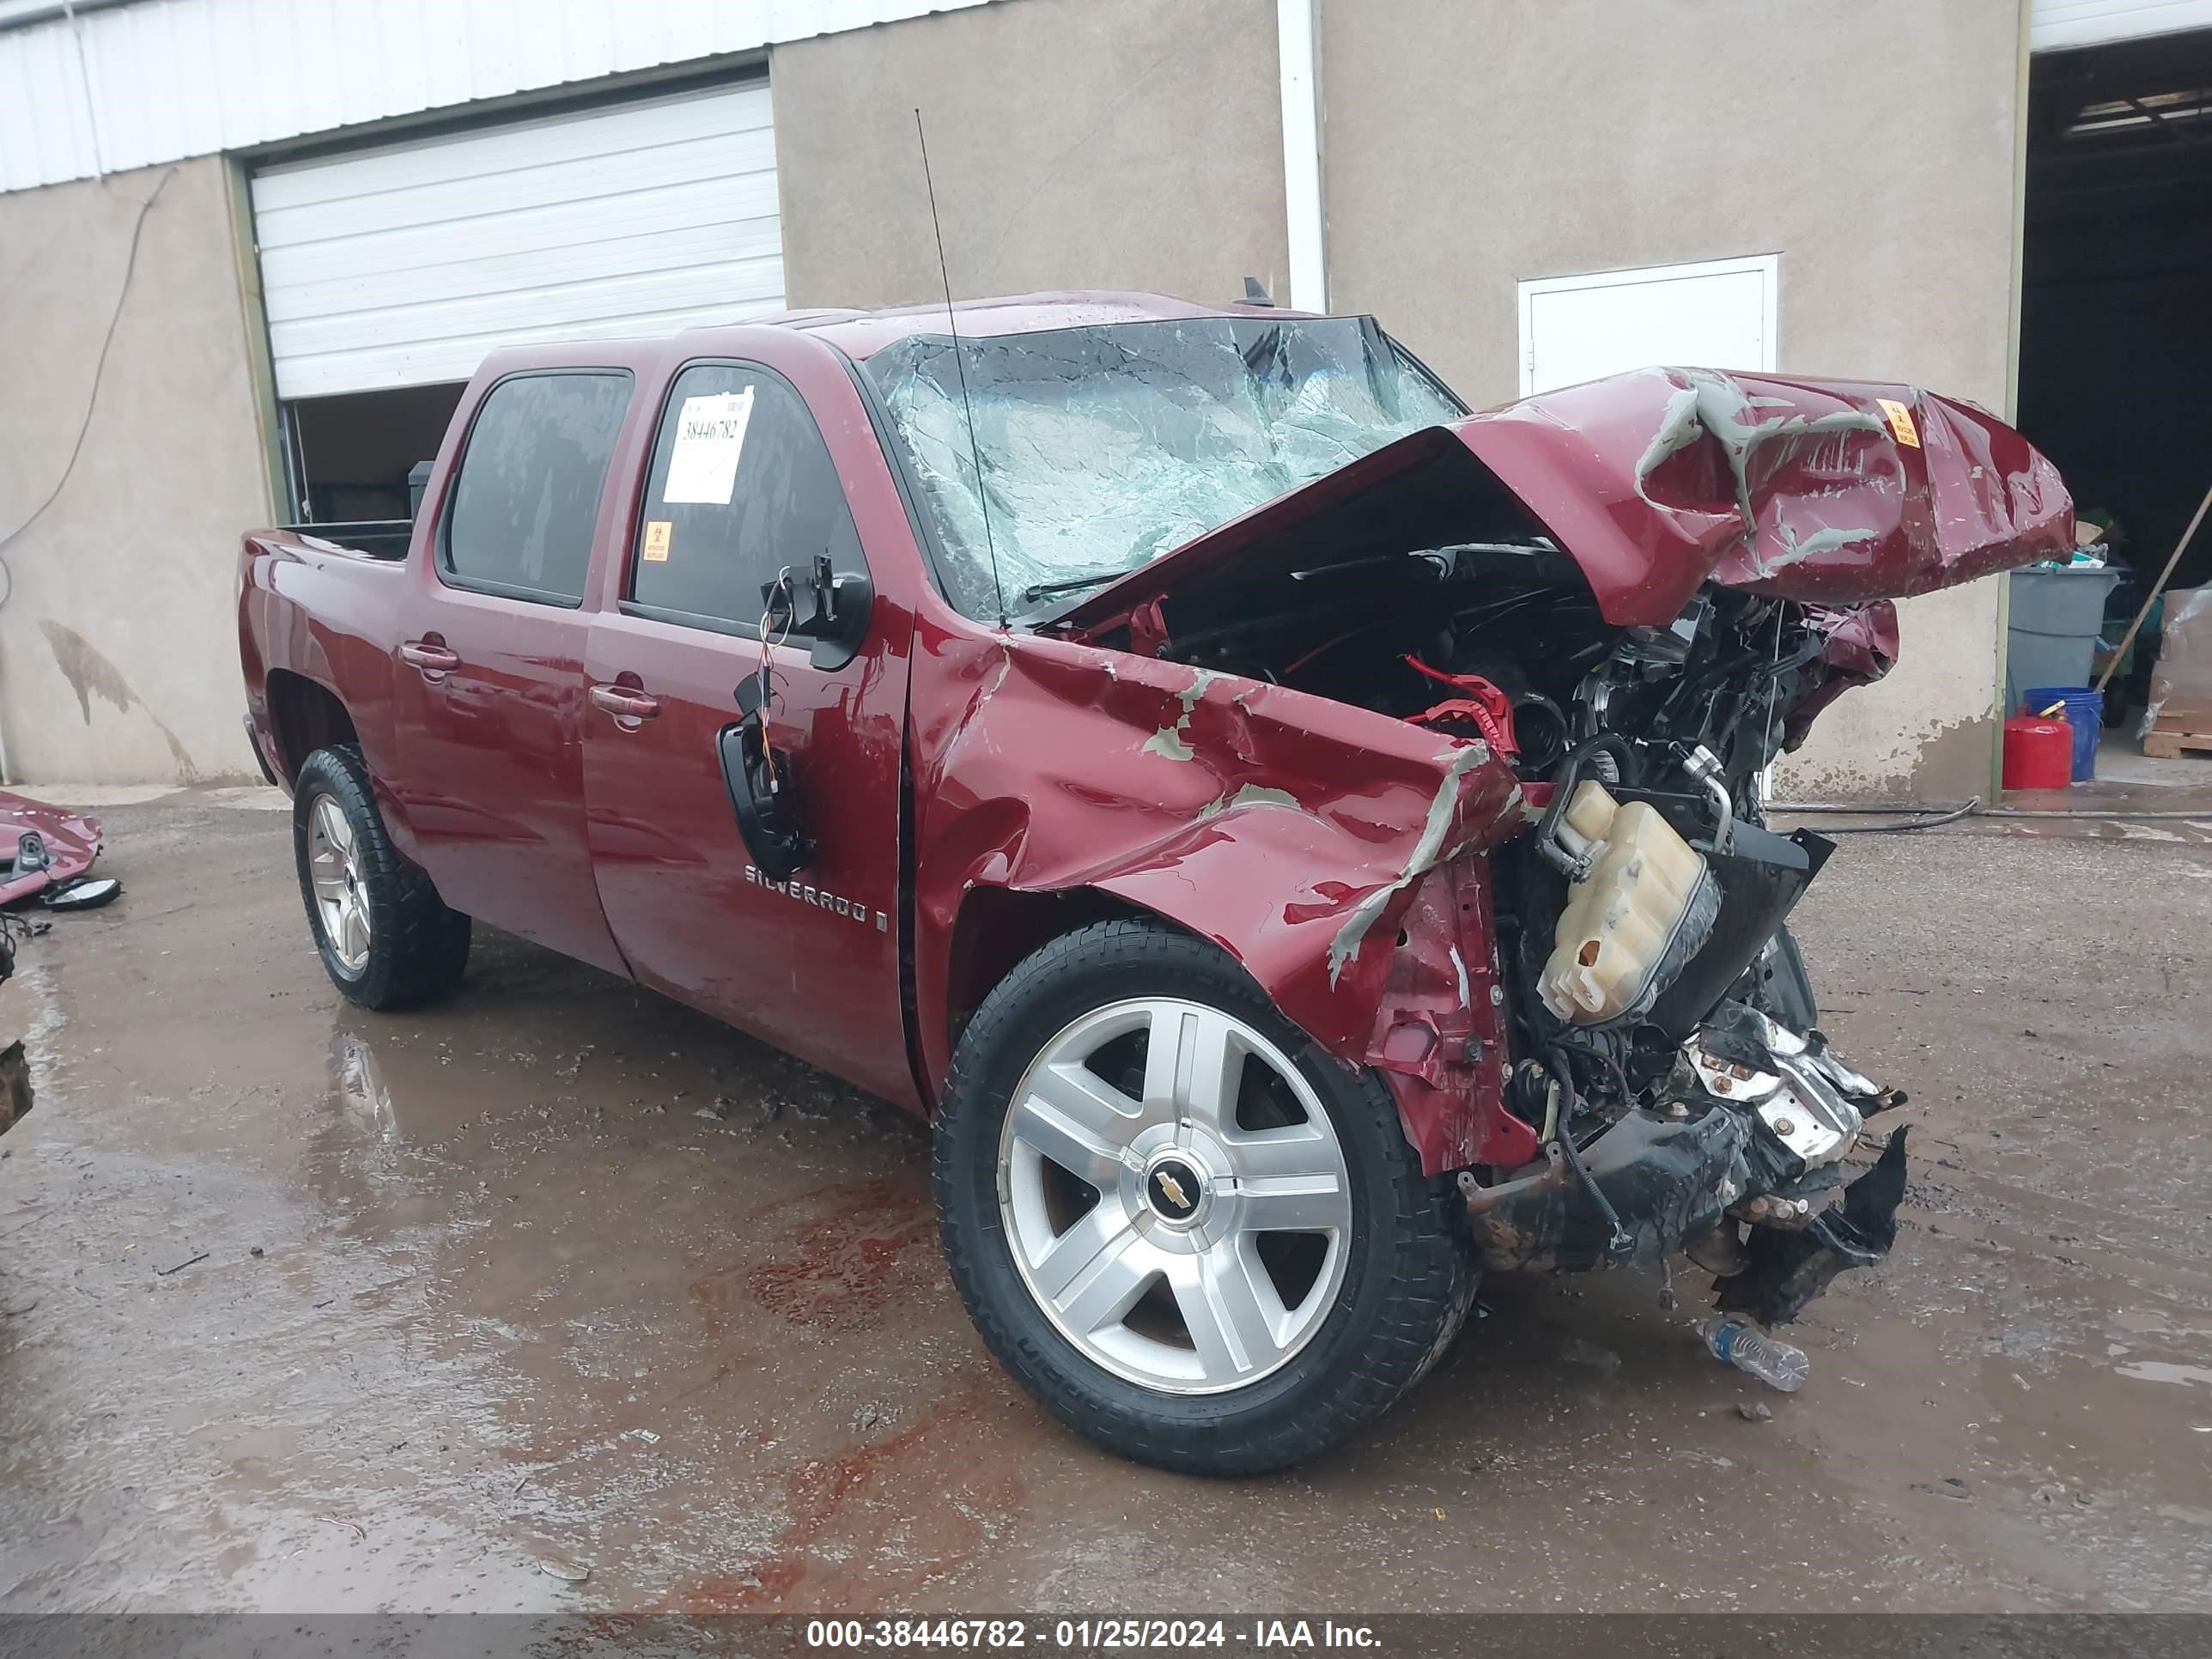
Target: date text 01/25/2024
x,y
1088,1635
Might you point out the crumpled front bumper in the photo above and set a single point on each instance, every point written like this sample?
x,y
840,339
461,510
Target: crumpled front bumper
x,y
1784,1269
1666,1181
1733,1164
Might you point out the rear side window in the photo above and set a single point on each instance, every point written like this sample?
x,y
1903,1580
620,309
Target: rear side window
x,y
742,487
528,493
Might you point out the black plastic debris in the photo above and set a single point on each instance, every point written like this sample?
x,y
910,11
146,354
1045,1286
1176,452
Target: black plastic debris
x,y
1788,1269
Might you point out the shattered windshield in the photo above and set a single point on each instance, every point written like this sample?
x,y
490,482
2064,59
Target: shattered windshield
x,y
1104,447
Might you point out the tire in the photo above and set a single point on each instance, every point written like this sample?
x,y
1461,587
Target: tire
x,y
416,948
1396,1273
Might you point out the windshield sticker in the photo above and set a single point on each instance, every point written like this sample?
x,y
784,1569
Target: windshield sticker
x,y
657,532
1900,422
710,436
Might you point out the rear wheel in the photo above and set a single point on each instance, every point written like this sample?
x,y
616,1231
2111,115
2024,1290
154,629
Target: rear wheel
x,y
1193,1236
387,940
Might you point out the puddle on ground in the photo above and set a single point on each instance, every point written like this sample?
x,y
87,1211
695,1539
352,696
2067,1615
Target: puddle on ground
x,y
2160,1370
562,1273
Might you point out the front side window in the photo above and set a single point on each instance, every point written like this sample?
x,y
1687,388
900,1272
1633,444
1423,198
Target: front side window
x,y
528,495
1103,447
742,488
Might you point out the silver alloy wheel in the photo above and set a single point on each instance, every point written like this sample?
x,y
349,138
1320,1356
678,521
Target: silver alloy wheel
x,y
1163,1279
341,899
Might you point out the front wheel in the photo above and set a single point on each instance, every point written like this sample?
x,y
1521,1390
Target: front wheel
x,y
387,940
1192,1234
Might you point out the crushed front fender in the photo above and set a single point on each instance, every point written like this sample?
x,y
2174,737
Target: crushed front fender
x,y
1298,833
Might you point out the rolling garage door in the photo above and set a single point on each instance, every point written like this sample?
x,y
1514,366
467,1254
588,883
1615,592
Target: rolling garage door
x,y
402,266
2057,25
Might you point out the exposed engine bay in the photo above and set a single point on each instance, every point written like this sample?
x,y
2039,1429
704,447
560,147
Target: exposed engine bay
x,y
1634,594
1664,1043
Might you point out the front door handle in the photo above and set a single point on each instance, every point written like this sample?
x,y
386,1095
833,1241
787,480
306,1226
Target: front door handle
x,y
430,655
625,702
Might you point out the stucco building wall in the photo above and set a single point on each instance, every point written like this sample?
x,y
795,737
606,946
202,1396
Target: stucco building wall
x,y
1075,143
1467,148
119,649
1467,144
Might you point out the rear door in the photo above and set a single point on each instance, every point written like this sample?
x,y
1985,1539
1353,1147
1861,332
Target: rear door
x,y
740,486
488,691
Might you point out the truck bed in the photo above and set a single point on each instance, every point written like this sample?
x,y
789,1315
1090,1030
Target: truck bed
x,y
379,538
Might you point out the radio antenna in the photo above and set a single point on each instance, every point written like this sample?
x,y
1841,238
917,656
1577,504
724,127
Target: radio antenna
x,y
960,362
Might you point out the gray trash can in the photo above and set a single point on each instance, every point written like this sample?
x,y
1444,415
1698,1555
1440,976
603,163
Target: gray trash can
x,y
2051,636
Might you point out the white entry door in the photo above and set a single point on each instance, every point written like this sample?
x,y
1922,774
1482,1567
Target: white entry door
x,y
1719,314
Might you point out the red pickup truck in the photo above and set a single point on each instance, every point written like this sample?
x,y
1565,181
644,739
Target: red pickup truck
x,y
1299,841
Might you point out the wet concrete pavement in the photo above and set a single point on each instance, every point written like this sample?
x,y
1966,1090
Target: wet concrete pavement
x,y
560,1272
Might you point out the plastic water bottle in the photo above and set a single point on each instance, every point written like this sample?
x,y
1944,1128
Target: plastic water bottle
x,y
1749,1349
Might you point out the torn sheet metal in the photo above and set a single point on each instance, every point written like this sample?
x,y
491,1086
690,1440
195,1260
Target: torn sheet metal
x,y
1300,834
1655,482
42,847
1439,1039
1860,644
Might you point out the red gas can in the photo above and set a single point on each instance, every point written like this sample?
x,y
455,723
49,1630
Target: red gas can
x,y
2038,754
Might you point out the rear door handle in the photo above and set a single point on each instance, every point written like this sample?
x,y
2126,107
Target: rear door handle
x,y
432,657
624,703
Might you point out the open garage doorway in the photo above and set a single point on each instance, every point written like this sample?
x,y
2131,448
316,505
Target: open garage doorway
x,y
389,270
351,455
2115,317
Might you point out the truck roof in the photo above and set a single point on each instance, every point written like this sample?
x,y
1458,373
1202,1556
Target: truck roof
x,y
861,334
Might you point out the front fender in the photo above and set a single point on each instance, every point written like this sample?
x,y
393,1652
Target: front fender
x,y
1304,836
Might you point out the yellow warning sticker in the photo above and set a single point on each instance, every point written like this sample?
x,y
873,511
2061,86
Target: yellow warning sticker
x,y
1900,422
657,532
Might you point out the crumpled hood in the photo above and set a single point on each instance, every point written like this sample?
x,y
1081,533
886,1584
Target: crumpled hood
x,y
1654,482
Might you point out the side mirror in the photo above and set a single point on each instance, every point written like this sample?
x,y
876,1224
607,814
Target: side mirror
x,y
831,609
85,893
843,603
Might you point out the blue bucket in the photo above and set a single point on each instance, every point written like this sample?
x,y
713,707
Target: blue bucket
x,y
2085,712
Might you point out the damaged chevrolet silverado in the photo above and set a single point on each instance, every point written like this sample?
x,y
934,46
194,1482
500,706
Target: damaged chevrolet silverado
x,y
1300,843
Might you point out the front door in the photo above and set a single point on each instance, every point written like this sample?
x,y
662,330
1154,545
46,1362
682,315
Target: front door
x,y
741,488
488,689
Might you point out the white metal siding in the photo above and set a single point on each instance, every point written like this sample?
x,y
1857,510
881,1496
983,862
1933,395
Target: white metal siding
x,y
173,78
404,264
2056,24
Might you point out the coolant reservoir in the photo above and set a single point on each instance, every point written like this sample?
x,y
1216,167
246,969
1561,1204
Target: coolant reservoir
x,y
1629,927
